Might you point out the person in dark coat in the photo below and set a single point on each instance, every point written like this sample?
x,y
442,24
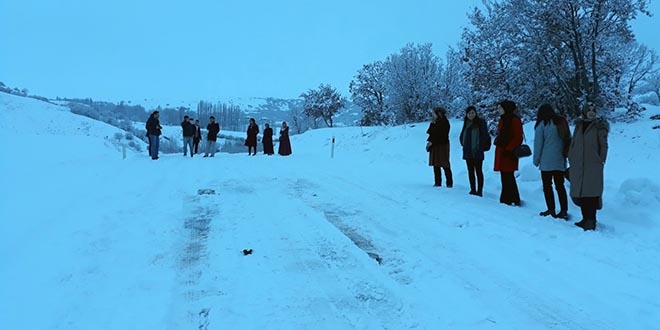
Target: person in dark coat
x,y
475,140
153,133
197,137
438,146
551,134
188,129
284,148
251,140
587,155
509,137
267,140
211,137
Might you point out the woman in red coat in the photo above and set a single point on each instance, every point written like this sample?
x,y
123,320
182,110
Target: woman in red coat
x,y
509,136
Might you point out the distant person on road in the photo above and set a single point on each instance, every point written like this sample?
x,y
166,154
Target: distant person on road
x,y
267,140
197,137
153,133
284,149
251,140
211,137
188,129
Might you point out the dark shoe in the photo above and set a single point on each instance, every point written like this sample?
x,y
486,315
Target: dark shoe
x,y
586,224
562,215
212,156
547,213
472,192
206,155
437,185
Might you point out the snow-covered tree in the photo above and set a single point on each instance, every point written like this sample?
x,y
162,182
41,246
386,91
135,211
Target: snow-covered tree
x,y
561,52
368,92
412,83
454,85
322,103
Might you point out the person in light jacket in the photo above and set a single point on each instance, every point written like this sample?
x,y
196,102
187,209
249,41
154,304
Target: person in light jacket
x,y
586,156
551,133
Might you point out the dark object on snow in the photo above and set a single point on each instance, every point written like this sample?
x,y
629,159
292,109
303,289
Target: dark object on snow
x,y
247,251
205,191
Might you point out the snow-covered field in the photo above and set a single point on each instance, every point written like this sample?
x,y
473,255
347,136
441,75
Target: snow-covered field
x,y
359,241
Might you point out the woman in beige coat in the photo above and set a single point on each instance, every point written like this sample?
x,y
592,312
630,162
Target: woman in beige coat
x,y
587,156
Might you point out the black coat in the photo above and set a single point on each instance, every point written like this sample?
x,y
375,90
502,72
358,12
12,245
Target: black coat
x,y
439,131
188,129
214,129
284,148
153,126
267,141
252,132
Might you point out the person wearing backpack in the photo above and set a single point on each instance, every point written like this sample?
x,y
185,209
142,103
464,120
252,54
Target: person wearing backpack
x,y
586,156
551,135
475,140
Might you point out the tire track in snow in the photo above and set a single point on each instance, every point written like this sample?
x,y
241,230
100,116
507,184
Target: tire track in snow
x,y
553,314
190,306
301,275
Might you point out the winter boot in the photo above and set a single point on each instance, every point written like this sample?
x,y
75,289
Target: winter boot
x,y
547,213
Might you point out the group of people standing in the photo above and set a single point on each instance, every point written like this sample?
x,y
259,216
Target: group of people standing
x,y
284,148
192,135
554,148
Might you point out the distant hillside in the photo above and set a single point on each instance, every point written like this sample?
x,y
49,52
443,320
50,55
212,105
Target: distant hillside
x,y
264,109
21,116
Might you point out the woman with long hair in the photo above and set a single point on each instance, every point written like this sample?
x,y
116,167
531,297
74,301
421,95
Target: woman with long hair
x,y
550,138
509,137
475,141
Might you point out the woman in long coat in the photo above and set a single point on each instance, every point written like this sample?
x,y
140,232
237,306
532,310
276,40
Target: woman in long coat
x,y
284,148
551,134
438,146
587,155
251,141
475,141
267,140
509,137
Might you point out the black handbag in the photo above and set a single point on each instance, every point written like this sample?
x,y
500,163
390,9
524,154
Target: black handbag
x,y
523,150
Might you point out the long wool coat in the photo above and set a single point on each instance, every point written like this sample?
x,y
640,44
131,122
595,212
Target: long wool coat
x,y
504,159
439,137
587,155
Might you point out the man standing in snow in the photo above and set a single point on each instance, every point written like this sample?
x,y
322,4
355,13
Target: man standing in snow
x,y
213,130
153,132
188,133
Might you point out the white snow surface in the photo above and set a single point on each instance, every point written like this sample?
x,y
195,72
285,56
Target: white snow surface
x,y
358,241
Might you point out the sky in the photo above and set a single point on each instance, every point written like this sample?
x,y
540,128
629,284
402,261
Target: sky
x,y
337,243
126,49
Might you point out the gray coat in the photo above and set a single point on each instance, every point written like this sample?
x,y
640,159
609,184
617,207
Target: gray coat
x,y
587,156
548,148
